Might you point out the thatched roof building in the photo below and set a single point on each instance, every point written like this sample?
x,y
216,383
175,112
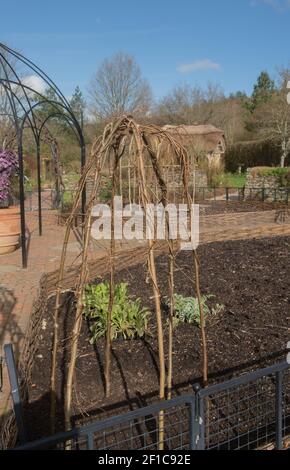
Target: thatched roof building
x,y
205,140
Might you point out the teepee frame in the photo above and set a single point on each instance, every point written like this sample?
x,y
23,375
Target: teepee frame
x,y
148,149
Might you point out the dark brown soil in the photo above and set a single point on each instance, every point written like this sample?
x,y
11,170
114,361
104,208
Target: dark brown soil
x,y
250,278
223,207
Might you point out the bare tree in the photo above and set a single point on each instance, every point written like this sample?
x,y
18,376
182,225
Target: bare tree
x,y
190,105
194,105
273,117
229,115
179,105
6,126
119,88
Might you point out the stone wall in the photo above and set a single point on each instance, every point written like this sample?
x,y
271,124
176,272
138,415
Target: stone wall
x,y
172,177
266,188
200,179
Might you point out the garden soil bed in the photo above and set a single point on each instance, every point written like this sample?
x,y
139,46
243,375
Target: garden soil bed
x,y
250,278
223,207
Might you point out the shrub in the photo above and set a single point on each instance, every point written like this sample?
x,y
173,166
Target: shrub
x,y
229,180
187,309
269,171
67,202
105,193
283,174
129,319
250,154
8,167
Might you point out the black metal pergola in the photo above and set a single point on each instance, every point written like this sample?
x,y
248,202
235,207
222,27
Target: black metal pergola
x,y
23,103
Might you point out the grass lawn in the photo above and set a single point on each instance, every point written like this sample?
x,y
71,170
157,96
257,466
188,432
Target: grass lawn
x,y
229,180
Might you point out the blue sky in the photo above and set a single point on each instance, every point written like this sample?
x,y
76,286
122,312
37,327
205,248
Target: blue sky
x,y
224,41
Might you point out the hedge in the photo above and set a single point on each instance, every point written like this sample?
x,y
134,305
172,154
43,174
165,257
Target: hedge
x,y
251,154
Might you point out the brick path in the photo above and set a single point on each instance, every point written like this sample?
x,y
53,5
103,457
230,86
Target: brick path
x,y
18,287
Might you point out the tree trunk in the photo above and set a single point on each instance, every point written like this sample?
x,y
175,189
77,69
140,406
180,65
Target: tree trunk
x,y
112,288
282,159
171,313
202,321
156,292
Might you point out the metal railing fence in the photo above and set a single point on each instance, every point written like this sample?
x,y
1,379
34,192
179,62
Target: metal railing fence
x,y
242,194
63,201
247,412
137,429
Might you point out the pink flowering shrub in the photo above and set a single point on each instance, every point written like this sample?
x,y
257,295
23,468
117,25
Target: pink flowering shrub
x,y
8,167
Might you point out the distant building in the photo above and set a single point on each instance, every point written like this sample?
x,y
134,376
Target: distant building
x,y
206,143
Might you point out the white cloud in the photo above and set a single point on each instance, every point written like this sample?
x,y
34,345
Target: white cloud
x,y
204,64
34,82
280,5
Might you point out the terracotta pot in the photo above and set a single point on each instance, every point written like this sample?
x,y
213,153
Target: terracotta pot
x,y
9,229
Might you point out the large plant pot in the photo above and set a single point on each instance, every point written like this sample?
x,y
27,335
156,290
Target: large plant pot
x,y
9,229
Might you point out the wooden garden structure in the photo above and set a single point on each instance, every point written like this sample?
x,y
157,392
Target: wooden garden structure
x,y
142,161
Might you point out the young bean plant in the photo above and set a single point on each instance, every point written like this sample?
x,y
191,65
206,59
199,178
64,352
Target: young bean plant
x,y
186,309
129,318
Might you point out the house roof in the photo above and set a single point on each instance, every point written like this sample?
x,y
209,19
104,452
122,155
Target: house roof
x,y
205,137
204,129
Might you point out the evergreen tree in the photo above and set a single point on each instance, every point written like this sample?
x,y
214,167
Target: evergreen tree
x,y
78,105
50,107
238,95
263,91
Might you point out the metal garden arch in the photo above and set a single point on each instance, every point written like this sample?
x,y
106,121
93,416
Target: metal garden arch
x,y
22,104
